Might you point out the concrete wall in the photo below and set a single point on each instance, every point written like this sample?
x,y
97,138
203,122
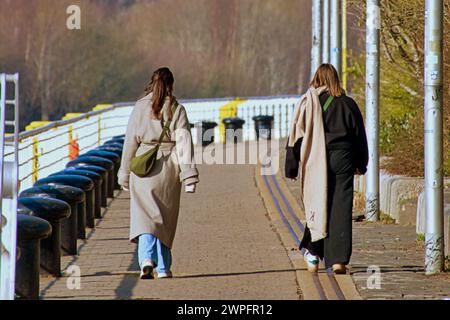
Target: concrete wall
x,y
397,195
402,198
420,226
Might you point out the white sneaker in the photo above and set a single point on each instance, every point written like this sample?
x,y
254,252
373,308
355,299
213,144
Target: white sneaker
x,y
165,275
147,270
312,262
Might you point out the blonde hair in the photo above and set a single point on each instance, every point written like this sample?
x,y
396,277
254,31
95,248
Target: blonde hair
x,y
327,76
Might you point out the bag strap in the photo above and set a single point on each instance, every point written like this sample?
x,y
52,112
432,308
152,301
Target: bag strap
x,y
328,103
166,127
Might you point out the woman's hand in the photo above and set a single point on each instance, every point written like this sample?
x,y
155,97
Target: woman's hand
x,y
124,183
190,188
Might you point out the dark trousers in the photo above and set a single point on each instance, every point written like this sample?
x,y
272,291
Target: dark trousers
x,y
337,247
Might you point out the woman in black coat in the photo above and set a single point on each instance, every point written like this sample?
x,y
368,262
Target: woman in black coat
x,y
347,155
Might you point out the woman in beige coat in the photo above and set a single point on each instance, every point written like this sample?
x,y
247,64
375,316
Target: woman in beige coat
x,y
155,199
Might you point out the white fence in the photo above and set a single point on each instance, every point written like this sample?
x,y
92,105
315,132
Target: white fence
x,y
45,150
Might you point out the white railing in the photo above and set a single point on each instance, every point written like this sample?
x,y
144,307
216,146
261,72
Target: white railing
x,y
45,150
8,184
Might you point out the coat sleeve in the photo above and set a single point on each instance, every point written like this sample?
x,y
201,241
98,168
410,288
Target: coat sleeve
x,y
292,163
361,150
129,149
185,149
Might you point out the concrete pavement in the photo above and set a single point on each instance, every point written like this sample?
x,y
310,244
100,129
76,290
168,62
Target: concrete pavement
x,y
225,248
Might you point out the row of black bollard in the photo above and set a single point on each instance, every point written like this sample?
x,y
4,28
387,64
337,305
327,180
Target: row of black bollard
x,y
30,232
56,211
72,196
233,127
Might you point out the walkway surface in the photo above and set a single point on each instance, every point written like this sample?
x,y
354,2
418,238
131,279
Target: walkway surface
x,y
236,240
225,248
395,252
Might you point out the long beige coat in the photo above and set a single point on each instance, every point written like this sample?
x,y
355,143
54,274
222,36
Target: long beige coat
x,y
308,124
155,200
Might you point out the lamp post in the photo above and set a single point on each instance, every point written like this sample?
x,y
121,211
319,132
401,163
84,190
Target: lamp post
x,y
434,230
372,109
316,50
336,36
344,45
326,32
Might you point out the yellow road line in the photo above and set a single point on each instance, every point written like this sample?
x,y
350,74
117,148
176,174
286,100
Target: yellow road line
x,y
304,278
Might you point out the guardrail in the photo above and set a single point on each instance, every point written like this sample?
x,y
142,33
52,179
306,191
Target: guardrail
x,y
45,150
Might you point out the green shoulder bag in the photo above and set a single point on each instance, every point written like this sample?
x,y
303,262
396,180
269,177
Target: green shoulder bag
x,y
142,165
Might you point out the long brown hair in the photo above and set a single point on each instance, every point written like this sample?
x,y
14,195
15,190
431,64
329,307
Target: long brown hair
x,y
161,85
327,76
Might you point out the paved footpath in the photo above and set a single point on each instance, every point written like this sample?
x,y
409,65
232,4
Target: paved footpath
x,y
225,248
400,258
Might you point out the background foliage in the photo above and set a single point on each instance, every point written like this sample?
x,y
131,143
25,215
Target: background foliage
x,y
402,56
216,48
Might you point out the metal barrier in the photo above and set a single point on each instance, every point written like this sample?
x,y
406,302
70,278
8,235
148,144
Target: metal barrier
x,y
46,150
8,186
37,153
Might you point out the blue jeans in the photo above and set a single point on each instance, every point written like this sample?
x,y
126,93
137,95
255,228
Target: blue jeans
x,y
153,249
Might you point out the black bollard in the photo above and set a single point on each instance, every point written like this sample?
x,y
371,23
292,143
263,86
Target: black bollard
x,y
104,174
96,178
83,183
205,132
53,211
110,156
69,227
30,231
118,139
263,127
113,144
97,161
233,129
111,148
117,143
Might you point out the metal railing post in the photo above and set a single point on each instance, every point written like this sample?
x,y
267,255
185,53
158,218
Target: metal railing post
x,y
3,249
35,175
99,128
372,109
434,229
316,36
9,176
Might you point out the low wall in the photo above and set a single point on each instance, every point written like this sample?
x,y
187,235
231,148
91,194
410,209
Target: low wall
x,y
420,226
399,196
